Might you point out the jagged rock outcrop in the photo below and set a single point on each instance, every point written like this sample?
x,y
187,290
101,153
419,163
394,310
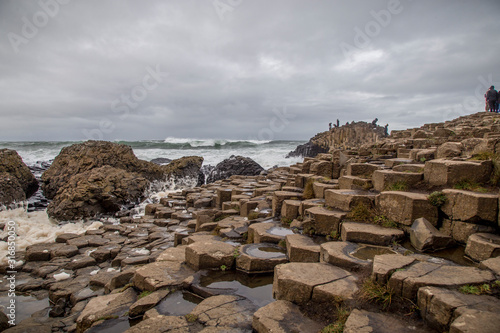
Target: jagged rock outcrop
x,y
15,174
350,135
82,157
10,190
99,177
235,165
101,190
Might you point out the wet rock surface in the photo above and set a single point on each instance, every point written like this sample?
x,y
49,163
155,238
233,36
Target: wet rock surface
x,y
235,165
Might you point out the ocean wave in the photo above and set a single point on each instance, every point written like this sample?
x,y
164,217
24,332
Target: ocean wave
x,y
195,143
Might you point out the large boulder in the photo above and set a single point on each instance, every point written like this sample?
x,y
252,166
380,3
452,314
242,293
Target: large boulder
x,y
12,164
235,165
99,177
10,189
83,157
98,191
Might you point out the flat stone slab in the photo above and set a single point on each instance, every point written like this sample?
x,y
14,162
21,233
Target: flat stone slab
x,y
383,179
386,264
440,307
470,206
161,274
406,207
161,323
279,197
493,264
267,232
325,221
338,254
207,255
346,200
447,172
483,246
283,316
225,310
148,302
302,282
369,234
476,321
301,248
102,306
260,258
361,321
406,282
177,253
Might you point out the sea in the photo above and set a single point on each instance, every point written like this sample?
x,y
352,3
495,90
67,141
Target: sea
x,y
267,153
36,227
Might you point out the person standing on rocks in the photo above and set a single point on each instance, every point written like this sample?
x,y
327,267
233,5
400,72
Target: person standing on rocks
x,y
492,98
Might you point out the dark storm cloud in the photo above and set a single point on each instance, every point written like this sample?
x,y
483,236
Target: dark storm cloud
x,y
72,70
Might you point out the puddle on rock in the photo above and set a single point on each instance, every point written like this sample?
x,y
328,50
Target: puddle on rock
x,y
113,326
454,254
258,288
266,251
368,252
178,303
25,305
280,231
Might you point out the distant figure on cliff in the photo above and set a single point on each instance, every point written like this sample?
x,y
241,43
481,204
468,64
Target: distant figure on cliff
x,y
330,126
374,122
338,123
386,130
492,99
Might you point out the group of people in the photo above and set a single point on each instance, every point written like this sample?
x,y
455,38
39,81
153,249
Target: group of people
x,y
492,99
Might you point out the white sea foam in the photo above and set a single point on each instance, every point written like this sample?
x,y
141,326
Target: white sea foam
x,y
36,227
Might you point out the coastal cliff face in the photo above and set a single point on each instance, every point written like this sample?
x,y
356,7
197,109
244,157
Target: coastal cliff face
x,y
348,136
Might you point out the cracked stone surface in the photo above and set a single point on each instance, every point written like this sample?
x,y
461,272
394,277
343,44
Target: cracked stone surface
x,y
361,321
386,264
225,311
282,317
406,282
439,307
301,282
161,274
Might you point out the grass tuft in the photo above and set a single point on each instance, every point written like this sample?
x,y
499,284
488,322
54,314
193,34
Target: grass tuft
x,y
469,185
308,190
144,294
437,198
377,293
338,326
397,186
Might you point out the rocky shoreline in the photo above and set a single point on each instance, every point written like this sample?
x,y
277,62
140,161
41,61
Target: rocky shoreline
x,y
356,239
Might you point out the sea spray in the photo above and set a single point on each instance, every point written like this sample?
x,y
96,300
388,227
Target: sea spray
x,y
37,227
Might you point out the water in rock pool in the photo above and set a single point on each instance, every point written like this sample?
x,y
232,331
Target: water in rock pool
x,y
258,288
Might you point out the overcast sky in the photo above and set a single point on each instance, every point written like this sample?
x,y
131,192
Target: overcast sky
x,y
239,69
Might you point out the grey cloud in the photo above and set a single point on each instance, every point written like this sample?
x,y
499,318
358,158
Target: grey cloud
x,y
225,77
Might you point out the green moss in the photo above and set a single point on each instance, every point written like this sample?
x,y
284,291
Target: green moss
x,y
437,198
191,318
144,294
484,156
284,220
